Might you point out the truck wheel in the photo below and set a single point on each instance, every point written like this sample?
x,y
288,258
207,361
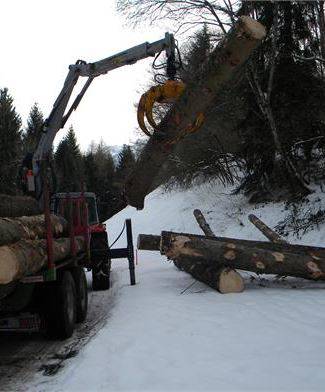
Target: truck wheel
x,y
101,276
80,281
61,307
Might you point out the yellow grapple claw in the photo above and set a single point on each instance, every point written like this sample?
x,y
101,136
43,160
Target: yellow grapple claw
x,y
166,93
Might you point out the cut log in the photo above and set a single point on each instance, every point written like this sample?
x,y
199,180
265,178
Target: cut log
x,y
27,257
29,227
225,280
266,230
148,242
14,206
259,257
203,223
228,280
196,99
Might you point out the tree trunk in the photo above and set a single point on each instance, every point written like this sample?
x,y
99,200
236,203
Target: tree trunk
x,y
29,227
27,257
196,100
14,206
266,231
148,242
203,223
223,279
259,257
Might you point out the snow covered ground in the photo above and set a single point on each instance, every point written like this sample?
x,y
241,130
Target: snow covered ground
x,y
170,334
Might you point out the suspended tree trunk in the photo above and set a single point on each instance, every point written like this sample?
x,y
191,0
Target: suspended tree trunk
x,y
27,257
259,257
14,206
29,227
196,100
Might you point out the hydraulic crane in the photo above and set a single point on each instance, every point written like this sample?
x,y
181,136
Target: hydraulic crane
x,y
60,112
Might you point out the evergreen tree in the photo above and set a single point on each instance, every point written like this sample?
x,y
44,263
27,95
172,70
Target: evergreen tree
x,y
10,144
33,131
99,174
69,164
195,55
126,161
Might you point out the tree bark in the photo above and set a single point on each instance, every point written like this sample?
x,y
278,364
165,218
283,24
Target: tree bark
x,y
259,257
29,227
196,99
27,257
266,230
14,206
148,242
223,279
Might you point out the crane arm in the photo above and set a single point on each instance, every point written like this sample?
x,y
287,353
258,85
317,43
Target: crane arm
x,y
60,114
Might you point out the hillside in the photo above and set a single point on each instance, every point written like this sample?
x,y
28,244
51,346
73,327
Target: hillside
x,y
172,333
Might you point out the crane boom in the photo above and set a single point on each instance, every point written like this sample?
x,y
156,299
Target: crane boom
x,y
59,114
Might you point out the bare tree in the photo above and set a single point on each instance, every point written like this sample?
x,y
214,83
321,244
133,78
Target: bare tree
x,y
187,14
264,102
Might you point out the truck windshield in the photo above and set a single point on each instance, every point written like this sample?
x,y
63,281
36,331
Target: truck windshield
x,y
92,210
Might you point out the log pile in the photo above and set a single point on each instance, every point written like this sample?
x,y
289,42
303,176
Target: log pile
x,y
23,245
205,256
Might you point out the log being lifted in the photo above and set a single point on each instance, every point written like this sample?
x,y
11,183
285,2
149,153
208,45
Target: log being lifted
x,y
14,206
30,227
259,257
196,99
27,257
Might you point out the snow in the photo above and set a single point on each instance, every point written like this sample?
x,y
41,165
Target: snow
x,y
171,333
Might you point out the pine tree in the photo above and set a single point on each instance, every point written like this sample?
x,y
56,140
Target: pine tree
x,y
69,164
99,174
10,144
126,161
33,131
196,54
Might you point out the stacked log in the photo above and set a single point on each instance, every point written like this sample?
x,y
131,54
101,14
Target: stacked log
x,y
27,257
23,247
223,279
29,227
194,251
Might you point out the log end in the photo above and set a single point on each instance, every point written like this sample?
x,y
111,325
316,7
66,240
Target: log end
x,y
252,28
148,242
230,281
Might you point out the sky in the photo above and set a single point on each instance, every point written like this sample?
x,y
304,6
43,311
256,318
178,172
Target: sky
x,y
40,38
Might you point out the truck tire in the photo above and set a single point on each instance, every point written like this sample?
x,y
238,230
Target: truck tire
x,y
80,281
60,315
101,276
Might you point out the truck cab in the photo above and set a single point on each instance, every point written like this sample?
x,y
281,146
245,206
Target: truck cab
x,y
80,208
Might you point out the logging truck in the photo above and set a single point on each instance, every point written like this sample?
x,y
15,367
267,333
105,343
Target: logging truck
x,y
44,283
